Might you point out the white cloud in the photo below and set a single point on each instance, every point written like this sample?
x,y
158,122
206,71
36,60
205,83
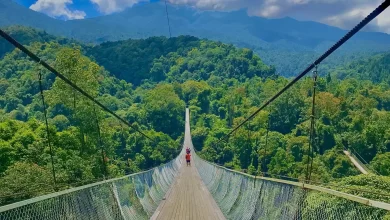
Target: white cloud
x,y
111,6
340,13
348,18
57,8
270,11
383,21
351,17
214,4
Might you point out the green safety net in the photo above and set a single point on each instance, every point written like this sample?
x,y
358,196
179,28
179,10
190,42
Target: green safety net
x,y
135,196
243,197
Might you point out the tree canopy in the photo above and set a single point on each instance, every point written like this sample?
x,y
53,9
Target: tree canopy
x,y
149,82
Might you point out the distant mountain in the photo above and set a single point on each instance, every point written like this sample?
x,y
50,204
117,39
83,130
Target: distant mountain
x,y
375,69
12,13
26,36
288,44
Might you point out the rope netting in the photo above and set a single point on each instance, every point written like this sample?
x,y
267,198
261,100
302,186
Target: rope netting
x,y
241,196
136,196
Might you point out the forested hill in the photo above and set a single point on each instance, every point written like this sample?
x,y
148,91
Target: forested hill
x,y
26,36
376,69
158,59
178,59
148,82
147,100
285,43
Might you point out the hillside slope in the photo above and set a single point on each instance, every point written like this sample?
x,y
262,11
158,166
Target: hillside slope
x,y
26,36
221,84
178,59
285,43
376,69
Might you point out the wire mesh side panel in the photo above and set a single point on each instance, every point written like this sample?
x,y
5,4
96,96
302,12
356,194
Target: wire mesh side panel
x,y
278,201
134,197
149,193
243,197
92,203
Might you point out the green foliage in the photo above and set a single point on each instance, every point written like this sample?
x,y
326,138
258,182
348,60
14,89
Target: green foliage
x,y
26,36
176,60
24,181
136,60
282,163
350,113
338,164
368,186
152,80
375,69
75,124
164,110
198,136
286,43
381,163
61,122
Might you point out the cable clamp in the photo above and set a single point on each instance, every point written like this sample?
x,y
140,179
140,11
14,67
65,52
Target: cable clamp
x,y
315,71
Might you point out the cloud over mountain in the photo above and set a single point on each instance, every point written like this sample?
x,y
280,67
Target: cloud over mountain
x,y
110,6
341,13
57,8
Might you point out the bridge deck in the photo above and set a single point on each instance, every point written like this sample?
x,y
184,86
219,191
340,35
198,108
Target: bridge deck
x,y
188,198
356,163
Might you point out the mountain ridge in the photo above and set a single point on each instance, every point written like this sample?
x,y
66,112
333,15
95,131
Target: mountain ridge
x,y
277,41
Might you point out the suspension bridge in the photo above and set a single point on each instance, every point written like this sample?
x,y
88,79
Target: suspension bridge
x,y
203,190
356,162
200,191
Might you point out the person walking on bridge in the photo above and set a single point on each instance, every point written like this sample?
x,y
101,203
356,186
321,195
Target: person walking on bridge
x,y
188,159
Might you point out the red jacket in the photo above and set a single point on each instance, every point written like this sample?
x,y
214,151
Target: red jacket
x,y
188,156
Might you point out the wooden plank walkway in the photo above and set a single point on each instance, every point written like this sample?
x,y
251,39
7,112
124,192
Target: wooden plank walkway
x,y
188,198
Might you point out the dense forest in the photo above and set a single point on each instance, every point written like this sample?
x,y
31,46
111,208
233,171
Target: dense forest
x,y
286,43
148,82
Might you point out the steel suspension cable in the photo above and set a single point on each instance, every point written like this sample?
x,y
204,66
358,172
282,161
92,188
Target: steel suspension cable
x,y
104,166
47,129
249,140
265,147
123,139
344,39
169,25
310,155
35,58
359,157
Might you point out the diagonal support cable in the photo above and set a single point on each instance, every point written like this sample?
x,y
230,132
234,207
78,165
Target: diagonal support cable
x,y
47,130
66,80
344,39
310,151
104,165
169,25
265,147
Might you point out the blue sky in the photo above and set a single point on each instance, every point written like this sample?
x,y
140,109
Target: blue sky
x,y
91,9
87,6
341,13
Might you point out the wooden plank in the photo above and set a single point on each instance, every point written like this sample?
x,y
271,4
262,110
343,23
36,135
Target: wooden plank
x,y
189,199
